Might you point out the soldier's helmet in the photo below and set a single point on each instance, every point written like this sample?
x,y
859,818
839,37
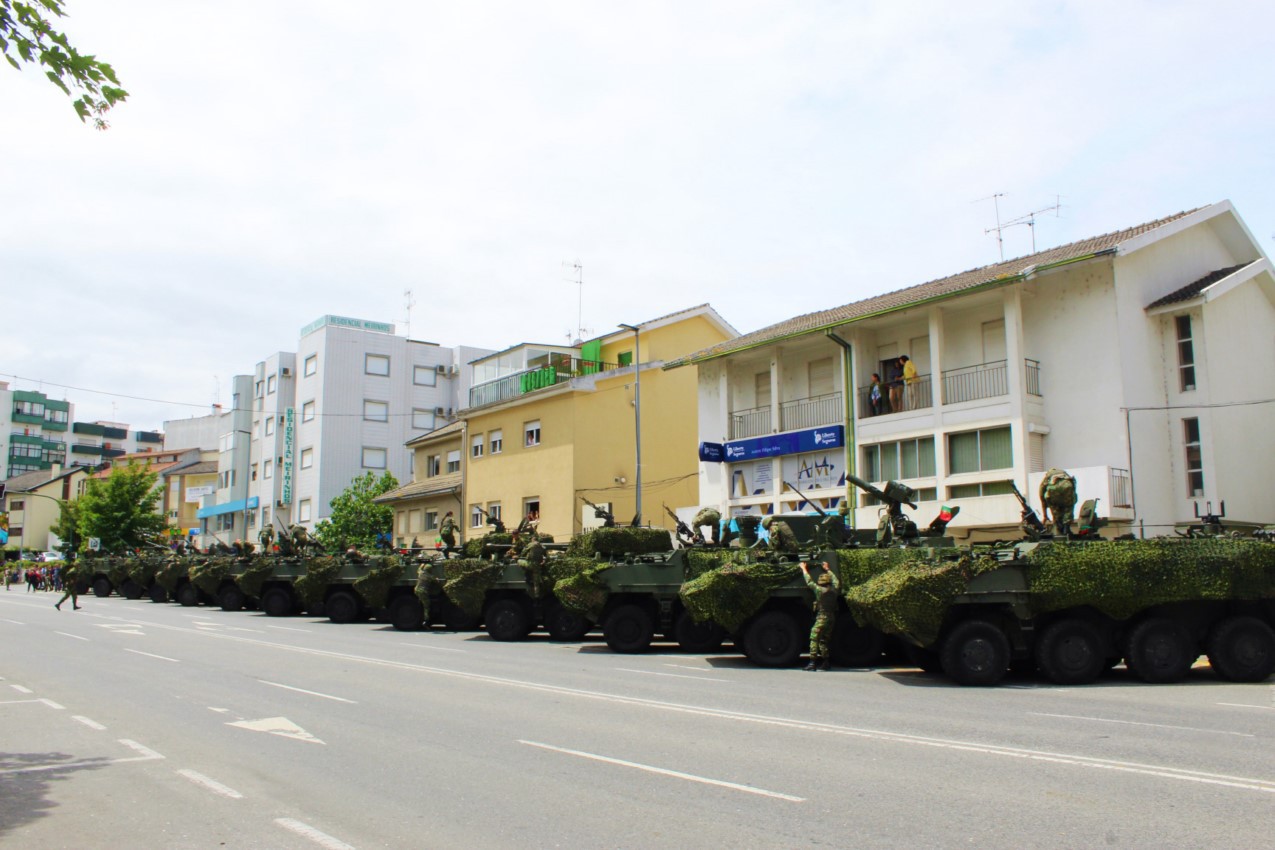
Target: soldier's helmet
x,y
766,521
824,580
843,508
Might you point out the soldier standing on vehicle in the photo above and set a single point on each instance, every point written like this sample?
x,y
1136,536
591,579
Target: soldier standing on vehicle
x,y
833,527
826,588
782,538
447,534
266,538
711,517
533,564
1058,496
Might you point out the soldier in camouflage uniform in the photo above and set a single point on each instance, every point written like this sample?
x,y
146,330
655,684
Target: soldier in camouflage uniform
x,y
1058,496
782,538
72,579
447,533
533,564
711,517
266,538
833,528
826,589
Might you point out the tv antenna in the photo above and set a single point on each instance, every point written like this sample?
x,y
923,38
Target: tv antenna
x,y
995,199
576,271
1028,219
409,302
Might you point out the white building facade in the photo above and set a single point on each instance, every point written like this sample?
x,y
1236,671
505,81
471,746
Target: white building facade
x,y
1140,361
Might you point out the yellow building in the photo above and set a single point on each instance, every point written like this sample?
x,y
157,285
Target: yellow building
x,y
436,487
549,426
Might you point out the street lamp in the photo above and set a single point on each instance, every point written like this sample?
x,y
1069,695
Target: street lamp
x,y
247,473
637,416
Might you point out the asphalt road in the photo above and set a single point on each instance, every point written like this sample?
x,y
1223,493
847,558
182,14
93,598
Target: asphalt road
x,y
130,724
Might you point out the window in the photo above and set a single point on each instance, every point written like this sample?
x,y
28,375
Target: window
x,y
17,505
269,425
476,446
375,411
29,408
376,364
531,433
431,520
373,458
453,461
270,382
986,488
493,510
307,458
311,365
259,386
253,472
1194,458
496,442
307,411
413,520
977,451
475,516
267,469
425,376
434,466
625,358
303,510
423,420
904,459
531,507
1186,354
52,415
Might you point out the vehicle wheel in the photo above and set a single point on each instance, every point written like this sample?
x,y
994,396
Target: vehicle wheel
x,y
1242,649
1071,652
1160,651
131,589
230,598
697,637
276,602
628,628
507,619
975,652
101,587
188,595
407,613
773,639
158,593
566,626
854,645
342,607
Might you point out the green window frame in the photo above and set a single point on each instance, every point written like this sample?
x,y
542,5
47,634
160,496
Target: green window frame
x,y
980,451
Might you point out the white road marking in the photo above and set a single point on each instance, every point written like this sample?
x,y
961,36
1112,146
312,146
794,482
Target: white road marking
x,y
92,724
219,710
306,831
669,675
289,629
1137,723
51,704
1246,705
444,648
20,689
15,622
152,655
281,726
17,701
677,774
211,784
688,667
68,634
122,628
147,752
304,691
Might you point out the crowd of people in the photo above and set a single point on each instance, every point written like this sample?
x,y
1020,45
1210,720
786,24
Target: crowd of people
x,y
43,578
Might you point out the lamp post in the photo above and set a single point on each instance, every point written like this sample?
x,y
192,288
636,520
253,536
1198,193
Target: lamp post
x,y
637,416
247,473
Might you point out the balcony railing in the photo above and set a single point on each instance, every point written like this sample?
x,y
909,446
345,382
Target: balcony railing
x,y
1121,488
1033,377
917,395
813,412
529,380
750,423
970,383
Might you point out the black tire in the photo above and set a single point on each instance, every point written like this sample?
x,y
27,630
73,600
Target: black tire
x,y
1242,649
101,587
131,589
1160,651
231,598
158,593
975,652
342,607
697,637
1071,652
566,626
507,620
854,645
277,602
629,628
188,595
406,613
774,639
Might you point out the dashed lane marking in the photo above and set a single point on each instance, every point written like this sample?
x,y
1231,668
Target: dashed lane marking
x,y
306,831
152,655
304,691
211,784
669,675
147,754
22,690
68,634
92,724
53,705
15,622
289,629
1246,705
1138,723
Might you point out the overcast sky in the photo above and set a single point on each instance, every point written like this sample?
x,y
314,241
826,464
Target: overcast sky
x,y
278,161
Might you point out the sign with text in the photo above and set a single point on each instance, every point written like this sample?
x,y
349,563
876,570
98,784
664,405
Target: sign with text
x,y
793,442
289,436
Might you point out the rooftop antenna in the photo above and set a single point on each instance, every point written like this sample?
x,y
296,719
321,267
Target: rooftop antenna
x,y
1029,219
577,277
409,302
995,199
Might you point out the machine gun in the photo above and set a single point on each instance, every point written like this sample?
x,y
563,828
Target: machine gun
x,y
497,524
684,532
608,518
803,498
894,523
832,527
1032,526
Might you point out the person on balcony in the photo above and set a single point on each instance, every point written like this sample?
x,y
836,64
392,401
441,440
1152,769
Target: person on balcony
x,y
910,379
876,397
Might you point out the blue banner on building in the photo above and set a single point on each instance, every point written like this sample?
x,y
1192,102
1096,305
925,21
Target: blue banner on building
x,y
774,445
712,452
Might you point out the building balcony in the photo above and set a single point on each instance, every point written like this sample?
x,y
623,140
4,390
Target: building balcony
x,y
86,449
918,395
795,415
520,383
957,386
149,437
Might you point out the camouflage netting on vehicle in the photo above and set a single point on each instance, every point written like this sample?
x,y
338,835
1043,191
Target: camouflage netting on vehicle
x,y
911,596
477,547
1122,577
319,573
468,580
116,569
375,586
620,541
171,571
585,592
858,565
700,561
731,594
142,569
207,574
251,580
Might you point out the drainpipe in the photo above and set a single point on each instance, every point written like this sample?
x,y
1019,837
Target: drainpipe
x,y
848,391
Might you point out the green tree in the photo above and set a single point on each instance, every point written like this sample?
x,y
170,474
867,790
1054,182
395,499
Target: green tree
x,y
27,36
356,520
120,510
67,528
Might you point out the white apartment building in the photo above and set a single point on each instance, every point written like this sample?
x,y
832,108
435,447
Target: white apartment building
x,y
307,423
1140,361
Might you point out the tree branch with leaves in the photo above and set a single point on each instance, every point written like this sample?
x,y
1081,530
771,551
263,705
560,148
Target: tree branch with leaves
x,y
27,36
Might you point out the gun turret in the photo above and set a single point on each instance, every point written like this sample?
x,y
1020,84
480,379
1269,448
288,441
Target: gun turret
x,y
608,519
803,498
1032,526
894,523
497,524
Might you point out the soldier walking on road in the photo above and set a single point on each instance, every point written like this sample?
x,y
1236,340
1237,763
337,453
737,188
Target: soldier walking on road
x,y
826,588
72,574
